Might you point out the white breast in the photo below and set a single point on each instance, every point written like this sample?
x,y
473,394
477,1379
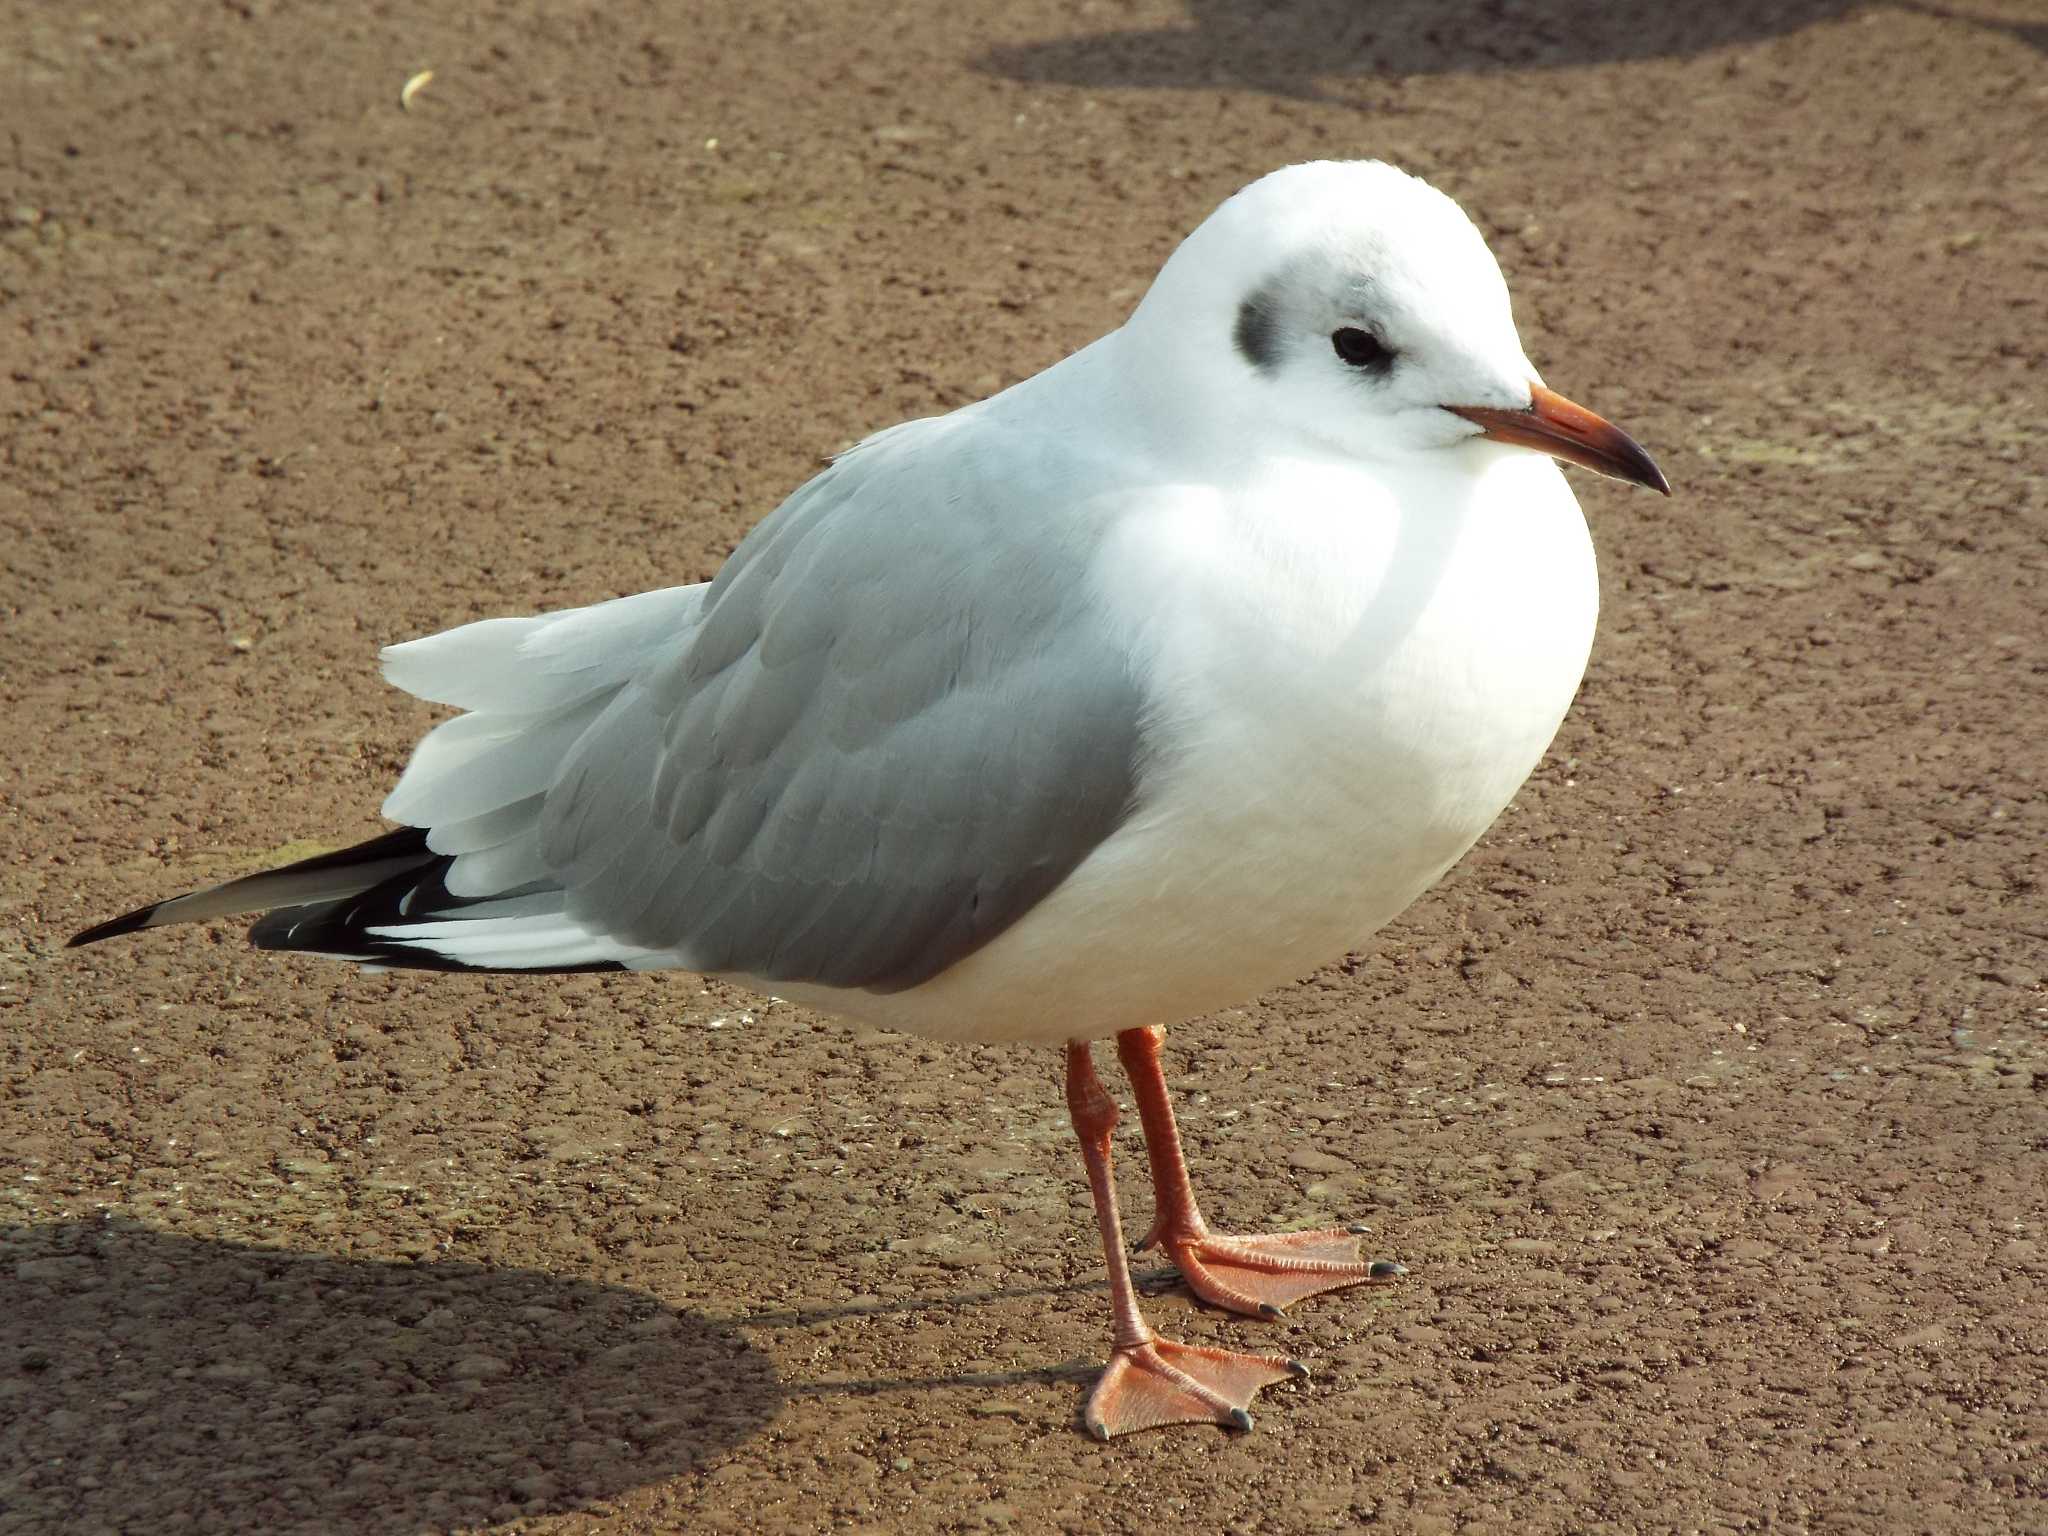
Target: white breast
x,y
1346,694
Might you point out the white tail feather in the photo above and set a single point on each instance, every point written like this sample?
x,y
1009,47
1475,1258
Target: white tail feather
x,y
506,867
515,767
537,665
485,831
476,666
533,686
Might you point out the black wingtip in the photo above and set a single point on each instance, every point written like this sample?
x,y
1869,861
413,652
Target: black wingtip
x,y
129,922
343,929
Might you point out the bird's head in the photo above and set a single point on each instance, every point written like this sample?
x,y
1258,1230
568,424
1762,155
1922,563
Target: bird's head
x,y
1354,306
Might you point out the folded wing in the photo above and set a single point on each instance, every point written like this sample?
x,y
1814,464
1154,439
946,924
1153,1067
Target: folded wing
x,y
889,727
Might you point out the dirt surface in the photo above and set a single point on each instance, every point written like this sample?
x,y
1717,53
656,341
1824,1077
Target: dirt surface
x,y
1708,1099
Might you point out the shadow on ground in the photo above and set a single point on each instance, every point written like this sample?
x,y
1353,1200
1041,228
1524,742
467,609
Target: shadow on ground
x,y
1080,1373
1304,48
156,1382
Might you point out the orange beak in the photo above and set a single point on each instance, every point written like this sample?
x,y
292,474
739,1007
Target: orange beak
x,y
1553,425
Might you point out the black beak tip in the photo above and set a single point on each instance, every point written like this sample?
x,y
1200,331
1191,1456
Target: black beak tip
x,y
1634,464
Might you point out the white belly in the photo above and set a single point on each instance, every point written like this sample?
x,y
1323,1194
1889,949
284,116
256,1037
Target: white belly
x,y
1345,700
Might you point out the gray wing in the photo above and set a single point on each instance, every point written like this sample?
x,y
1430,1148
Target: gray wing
x,y
896,726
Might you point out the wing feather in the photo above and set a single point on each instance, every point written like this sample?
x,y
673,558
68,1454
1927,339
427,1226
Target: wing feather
x,y
891,725
897,724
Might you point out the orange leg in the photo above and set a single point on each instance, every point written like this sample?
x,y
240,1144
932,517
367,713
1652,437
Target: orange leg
x,y
1259,1275
1151,1381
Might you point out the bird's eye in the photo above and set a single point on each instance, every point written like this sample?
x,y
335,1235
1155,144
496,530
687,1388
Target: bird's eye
x,y
1360,349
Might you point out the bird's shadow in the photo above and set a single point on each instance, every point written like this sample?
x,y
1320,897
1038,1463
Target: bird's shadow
x,y
150,1381
1151,1283
1307,49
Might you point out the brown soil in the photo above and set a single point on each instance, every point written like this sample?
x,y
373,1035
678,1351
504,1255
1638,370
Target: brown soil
x,y
1708,1100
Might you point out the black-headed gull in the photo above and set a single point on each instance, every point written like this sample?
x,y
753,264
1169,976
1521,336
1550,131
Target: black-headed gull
x,y
1119,697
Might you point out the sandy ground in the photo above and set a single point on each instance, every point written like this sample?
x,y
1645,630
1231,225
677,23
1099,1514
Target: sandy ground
x,y
1708,1100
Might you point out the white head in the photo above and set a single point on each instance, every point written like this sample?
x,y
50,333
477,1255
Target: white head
x,y
1348,306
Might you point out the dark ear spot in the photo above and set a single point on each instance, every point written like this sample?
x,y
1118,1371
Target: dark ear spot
x,y
1258,332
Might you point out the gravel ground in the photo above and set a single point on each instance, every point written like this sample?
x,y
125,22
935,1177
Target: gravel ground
x,y
1707,1100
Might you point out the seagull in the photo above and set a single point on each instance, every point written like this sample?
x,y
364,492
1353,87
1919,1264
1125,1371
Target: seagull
x,y
1119,697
